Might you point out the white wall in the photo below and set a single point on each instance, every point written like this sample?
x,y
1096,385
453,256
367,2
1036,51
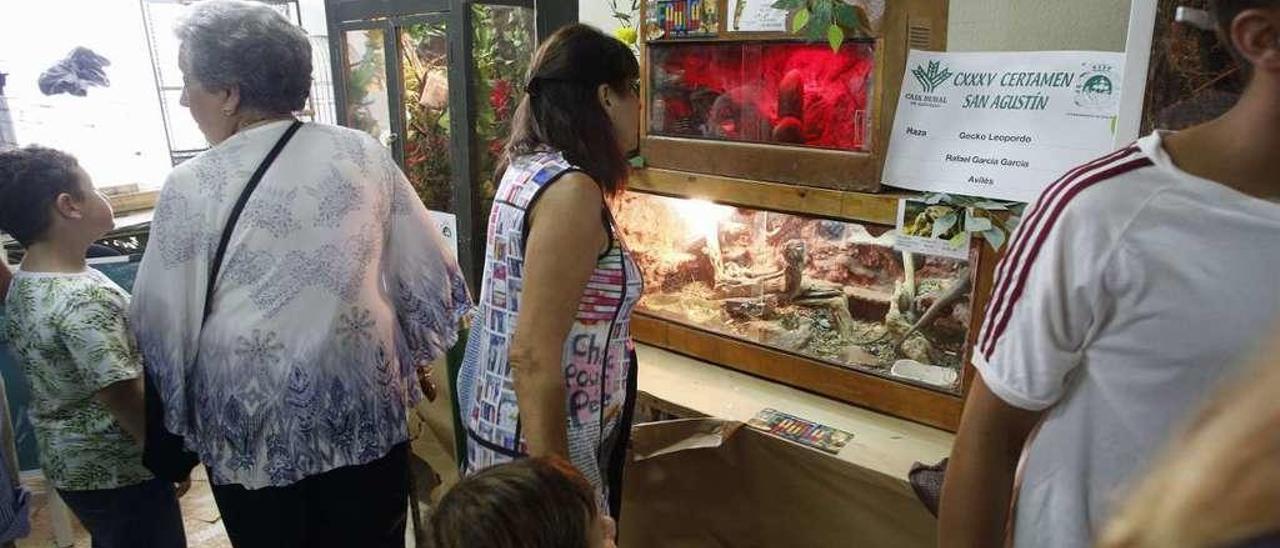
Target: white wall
x,y
599,13
994,25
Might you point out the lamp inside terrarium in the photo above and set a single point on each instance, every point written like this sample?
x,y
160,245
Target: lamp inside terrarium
x,y
763,92
829,290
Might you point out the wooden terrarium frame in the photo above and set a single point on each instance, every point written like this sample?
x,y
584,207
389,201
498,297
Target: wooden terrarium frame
x,y
904,25
894,397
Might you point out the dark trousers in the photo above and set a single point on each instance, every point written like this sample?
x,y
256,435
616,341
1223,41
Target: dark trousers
x,y
355,506
146,514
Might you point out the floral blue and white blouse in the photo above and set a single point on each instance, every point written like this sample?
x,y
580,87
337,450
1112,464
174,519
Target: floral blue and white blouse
x,y
335,287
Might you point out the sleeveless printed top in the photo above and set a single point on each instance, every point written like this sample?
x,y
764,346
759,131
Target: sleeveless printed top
x,y
598,353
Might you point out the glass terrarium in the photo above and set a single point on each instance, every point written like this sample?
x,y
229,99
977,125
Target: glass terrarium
x,y
504,44
425,64
831,291
731,92
437,82
367,106
787,93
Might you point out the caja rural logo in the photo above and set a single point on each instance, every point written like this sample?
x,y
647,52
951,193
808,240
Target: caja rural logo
x,y
931,76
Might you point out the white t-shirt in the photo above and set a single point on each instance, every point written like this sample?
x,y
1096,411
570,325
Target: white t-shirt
x,y
1131,289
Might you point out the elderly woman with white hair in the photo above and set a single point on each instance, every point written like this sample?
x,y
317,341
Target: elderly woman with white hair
x,y
292,288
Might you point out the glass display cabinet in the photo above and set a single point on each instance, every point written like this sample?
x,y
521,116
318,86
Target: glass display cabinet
x,y
768,106
766,242
827,290
437,82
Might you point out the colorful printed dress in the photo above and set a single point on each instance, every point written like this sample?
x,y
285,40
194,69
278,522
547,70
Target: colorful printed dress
x,y
599,356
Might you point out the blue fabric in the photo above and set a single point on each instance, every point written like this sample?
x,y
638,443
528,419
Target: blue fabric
x,y
1269,541
144,514
15,501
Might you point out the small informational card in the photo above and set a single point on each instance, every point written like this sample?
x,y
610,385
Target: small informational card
x,y
448,224
933,229
1001,125
756,16
801,431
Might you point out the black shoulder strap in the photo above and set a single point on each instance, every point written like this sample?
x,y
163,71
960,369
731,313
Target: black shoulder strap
x,y
216,265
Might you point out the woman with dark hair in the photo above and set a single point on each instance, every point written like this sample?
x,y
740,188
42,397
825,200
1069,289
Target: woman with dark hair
x,y
549,368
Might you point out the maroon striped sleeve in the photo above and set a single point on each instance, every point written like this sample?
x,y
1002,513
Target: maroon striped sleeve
x,y
1032,222
1010,288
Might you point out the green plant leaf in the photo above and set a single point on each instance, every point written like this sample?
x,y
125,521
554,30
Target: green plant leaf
x,y
995,237
799,20
959,240
835,37
935,199
820,19
789,5
944,223
977,224
847,16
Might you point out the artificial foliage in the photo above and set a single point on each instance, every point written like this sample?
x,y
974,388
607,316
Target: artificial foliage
x,y
832,20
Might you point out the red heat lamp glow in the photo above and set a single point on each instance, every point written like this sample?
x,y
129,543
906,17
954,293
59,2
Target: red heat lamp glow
x,y
775,92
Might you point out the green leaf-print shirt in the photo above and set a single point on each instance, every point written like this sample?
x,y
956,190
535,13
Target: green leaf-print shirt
x,y
70,334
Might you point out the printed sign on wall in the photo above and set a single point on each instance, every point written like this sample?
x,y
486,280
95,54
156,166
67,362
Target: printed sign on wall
x,y
1001,125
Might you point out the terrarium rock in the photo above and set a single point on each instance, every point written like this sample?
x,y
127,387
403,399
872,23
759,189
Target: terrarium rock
x,y
749,309
774,334
939,267
856,355
868,304
917,348
685,268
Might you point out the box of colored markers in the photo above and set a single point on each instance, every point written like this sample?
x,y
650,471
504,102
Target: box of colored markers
x,y
684,18
801,431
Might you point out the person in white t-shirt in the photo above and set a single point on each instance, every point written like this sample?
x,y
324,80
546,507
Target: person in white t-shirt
x,y
1135,283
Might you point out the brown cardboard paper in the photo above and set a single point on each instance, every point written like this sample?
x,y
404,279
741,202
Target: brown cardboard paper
x,y
709,483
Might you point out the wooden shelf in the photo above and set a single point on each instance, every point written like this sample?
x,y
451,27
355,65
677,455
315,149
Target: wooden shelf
x,y
877,208
134,202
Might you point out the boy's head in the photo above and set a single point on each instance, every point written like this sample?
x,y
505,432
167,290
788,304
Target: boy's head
x,y
1251,30
529,503
45,195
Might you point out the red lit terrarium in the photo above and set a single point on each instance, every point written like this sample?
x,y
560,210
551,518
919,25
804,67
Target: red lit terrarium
x,y
783,93
725,98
